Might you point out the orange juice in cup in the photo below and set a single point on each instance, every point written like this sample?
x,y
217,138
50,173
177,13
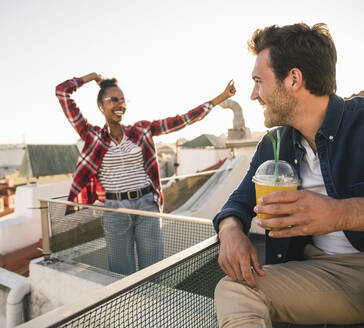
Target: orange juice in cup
x,y
268,178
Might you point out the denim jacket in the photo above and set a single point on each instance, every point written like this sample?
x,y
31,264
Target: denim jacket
x,y
340,147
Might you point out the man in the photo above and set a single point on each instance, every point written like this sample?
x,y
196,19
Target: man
x,y
316,260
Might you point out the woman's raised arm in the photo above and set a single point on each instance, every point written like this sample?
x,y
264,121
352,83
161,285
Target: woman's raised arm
x,y
92,77
69,106
178,122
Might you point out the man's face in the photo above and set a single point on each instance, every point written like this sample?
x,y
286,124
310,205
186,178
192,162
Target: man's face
x,y
278,102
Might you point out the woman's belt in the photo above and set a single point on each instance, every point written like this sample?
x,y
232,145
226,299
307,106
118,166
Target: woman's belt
x,y
131,195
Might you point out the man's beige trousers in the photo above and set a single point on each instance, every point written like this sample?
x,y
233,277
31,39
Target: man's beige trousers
x,y
321,289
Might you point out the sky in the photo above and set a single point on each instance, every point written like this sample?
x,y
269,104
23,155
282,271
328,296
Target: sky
x,y
168,55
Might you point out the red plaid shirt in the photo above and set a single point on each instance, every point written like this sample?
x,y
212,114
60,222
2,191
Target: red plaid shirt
x,y
85,187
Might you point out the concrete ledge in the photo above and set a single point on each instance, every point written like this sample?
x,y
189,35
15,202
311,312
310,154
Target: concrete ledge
x,y
54,284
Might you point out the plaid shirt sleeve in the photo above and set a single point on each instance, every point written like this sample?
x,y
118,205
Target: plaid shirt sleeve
x,y
178,122
70,108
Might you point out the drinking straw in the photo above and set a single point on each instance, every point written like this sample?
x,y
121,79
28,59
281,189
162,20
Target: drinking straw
x,y
276,149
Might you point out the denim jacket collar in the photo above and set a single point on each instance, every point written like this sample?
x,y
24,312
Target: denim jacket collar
x,y
331,123
333,117
296,135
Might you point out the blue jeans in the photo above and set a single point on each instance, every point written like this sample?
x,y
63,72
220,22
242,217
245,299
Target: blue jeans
x,y
125,231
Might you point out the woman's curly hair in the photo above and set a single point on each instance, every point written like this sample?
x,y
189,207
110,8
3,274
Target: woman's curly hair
x,y
104,85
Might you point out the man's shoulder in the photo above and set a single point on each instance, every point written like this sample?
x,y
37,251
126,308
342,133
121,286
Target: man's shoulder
x,y
355,104
353,113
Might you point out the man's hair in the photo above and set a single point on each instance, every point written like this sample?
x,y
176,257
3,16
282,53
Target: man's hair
x,y
311,50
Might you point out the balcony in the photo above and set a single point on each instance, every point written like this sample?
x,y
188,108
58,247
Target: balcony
x,y
72,286
174,292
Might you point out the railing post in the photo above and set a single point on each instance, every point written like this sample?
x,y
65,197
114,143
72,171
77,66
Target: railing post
x,y
45,230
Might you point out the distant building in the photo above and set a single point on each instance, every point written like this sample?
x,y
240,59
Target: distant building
x,y
205,141
10,158
30,164
166,158
200,153
47,160
7,199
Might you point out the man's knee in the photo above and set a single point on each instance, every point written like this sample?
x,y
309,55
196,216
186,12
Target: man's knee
x,y
237,302
219,290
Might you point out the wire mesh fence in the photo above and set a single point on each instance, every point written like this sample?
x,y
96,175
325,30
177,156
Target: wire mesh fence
x,y
118,243
177,294
179,297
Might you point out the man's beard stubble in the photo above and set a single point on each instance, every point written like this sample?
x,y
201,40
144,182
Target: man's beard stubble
x,y
280,107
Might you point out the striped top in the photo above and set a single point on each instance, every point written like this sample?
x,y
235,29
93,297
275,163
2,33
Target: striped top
x,y
122,168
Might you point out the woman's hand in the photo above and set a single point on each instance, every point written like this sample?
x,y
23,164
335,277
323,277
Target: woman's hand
x,y
98,79
227,93
92,77
230,89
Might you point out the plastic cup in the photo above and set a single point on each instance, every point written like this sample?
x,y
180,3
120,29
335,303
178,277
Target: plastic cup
x,y
266,182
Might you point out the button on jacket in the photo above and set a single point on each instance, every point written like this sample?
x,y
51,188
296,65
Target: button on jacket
x,y
340,148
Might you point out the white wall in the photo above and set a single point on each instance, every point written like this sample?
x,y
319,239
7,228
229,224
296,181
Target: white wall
x,y
24,228
192,160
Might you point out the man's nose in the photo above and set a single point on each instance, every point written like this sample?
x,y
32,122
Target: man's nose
x,y
254,94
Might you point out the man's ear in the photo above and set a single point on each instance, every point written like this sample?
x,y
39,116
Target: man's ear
x,y
296,78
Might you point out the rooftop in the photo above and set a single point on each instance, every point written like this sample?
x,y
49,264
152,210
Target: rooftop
x,y
46,160
205,140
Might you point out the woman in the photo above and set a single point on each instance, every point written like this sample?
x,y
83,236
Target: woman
x,y
118,165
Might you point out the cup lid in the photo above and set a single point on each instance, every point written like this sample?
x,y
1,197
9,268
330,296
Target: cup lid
x,y
265,174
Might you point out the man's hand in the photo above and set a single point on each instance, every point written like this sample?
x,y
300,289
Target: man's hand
x,y
237,255
304,213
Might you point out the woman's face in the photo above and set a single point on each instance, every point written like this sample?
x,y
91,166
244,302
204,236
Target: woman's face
x,y
113,105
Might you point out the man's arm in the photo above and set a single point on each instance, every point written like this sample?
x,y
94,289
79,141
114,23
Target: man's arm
x,y
309,213
353,211
237,256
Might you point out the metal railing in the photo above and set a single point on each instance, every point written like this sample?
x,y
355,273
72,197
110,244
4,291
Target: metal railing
x,y
175,292
81,236
194,174
51,208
